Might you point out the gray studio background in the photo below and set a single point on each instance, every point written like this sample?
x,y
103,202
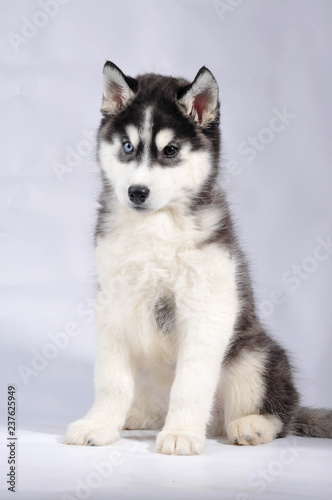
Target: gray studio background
x,y
272,60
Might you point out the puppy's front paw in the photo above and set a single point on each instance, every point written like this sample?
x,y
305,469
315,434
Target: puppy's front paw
x,y
91,433
180,443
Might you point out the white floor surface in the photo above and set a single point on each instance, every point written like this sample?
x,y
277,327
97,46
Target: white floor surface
x,y
289,468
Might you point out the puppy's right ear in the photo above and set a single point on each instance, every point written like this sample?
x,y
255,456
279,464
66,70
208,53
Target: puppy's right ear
x,y
118,89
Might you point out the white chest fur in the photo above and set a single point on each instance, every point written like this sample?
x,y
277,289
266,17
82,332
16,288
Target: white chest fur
x,y
147,257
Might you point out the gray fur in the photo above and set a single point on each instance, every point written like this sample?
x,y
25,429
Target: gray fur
x,y
313,422
104,209
164,312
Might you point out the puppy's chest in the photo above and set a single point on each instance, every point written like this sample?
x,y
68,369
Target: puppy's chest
x,y
138,262
137,272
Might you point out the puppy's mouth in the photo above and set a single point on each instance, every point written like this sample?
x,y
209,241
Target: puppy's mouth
x,y
139,208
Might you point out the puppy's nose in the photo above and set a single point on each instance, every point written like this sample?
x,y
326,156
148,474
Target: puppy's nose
x,y
138,194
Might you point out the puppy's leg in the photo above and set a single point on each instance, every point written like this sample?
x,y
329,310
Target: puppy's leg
x,y
147,412
114,389
150,405
243,392
206,314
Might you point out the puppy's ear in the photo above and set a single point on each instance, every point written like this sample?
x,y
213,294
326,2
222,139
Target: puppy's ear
x,y
118,89
200,99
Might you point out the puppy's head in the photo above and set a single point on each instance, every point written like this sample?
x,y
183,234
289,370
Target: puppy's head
x,y
158,141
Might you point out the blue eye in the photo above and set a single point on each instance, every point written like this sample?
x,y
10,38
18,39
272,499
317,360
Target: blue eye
x,y
127,147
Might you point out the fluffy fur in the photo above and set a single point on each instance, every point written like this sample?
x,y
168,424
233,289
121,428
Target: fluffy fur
x,y
179,346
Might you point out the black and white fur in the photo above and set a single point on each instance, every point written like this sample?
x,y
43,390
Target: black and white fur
x,y
179,346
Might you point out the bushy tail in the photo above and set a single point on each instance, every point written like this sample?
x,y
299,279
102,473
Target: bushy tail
x,y
313,422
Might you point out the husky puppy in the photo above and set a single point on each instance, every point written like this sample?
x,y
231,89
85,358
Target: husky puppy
x,y
179,346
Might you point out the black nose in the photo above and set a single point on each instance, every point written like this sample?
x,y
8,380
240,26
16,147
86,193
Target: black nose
x,y
138,194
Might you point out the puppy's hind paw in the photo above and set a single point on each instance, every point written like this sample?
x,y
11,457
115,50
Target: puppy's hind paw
x,y
253,429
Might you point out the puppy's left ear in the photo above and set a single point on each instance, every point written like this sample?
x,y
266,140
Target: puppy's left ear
x,y
200,99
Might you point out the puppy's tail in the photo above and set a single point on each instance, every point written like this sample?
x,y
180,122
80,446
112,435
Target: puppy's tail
x,y
313,422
